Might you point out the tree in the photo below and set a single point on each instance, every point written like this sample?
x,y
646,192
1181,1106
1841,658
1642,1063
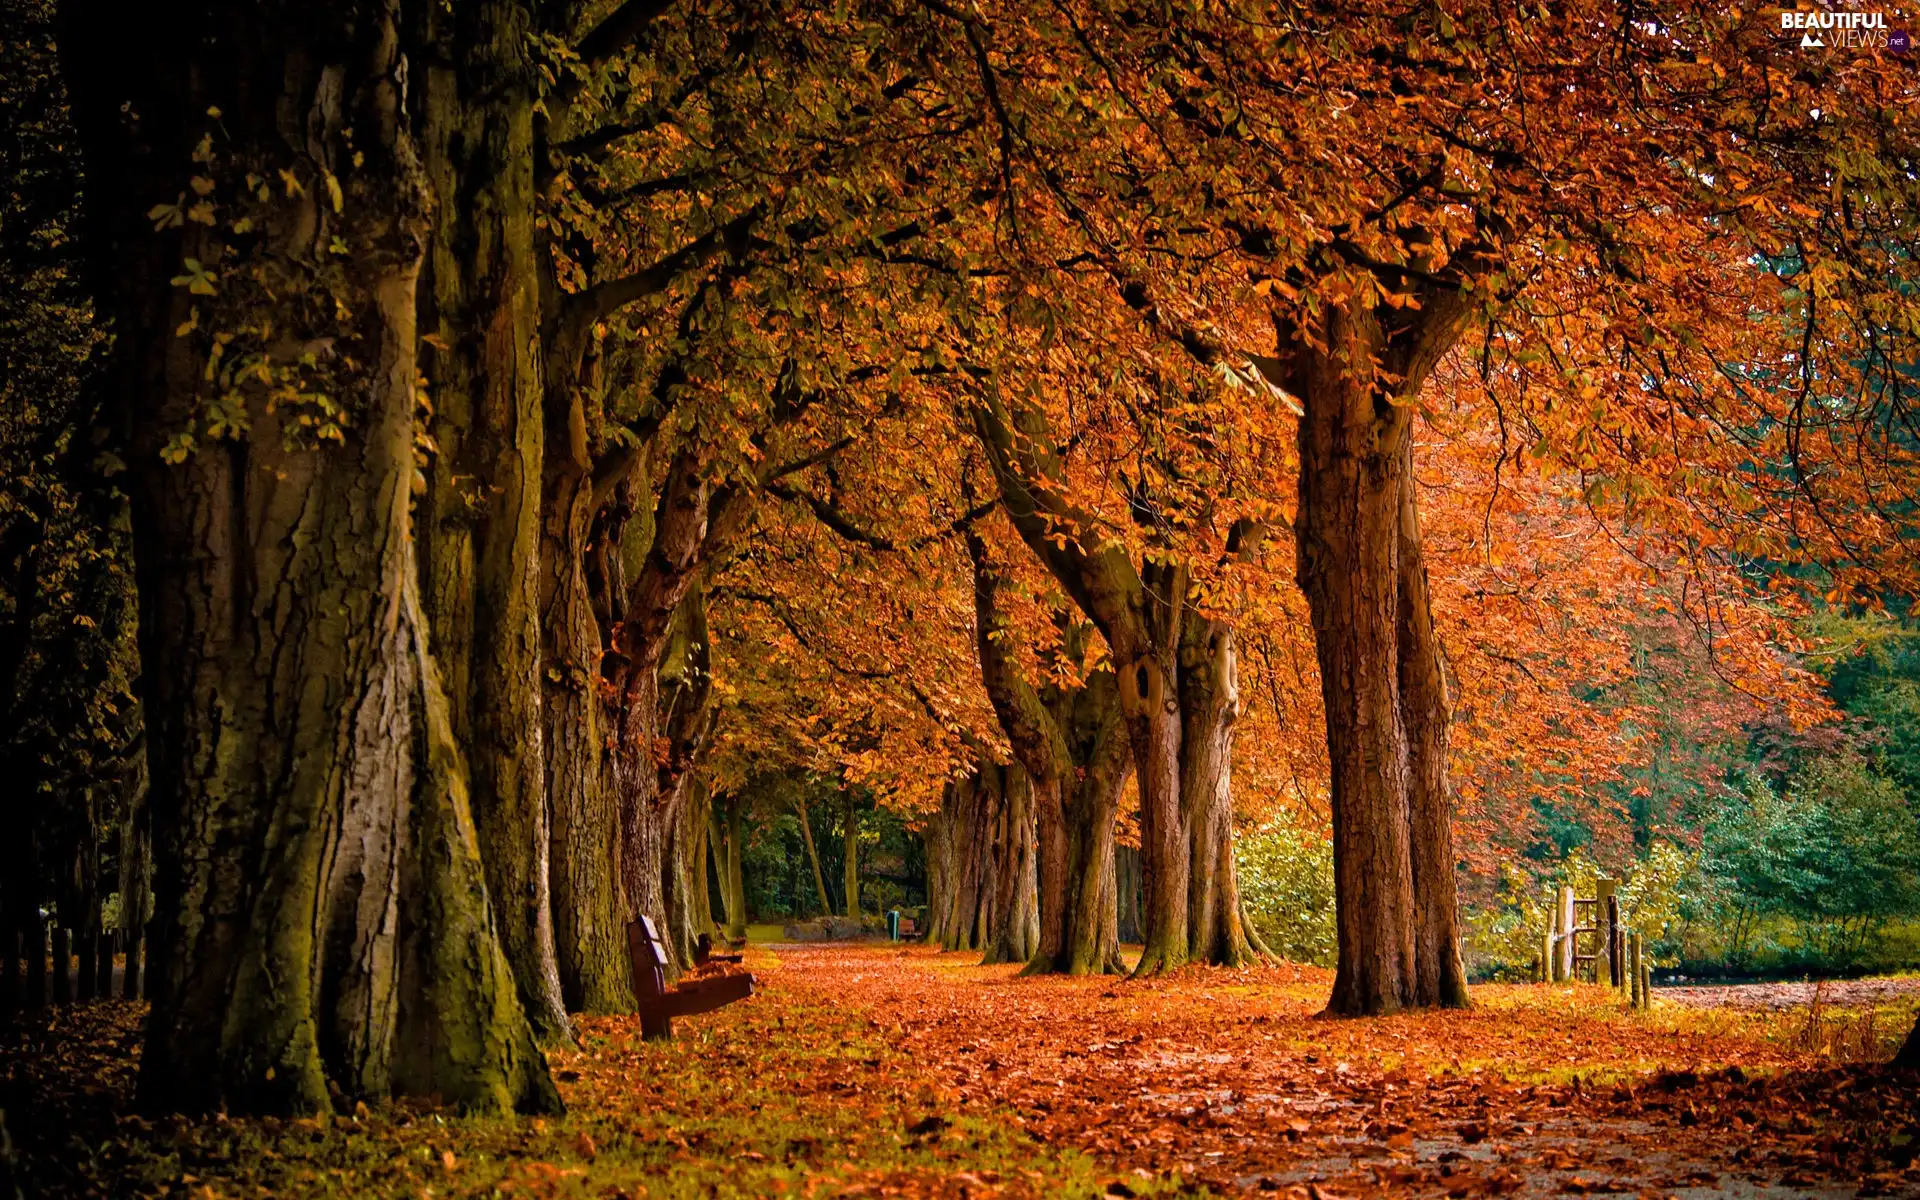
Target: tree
x,y
323,919
1071,744
1176,675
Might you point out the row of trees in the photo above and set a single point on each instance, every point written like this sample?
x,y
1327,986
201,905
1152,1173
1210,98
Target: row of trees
x,y
484,381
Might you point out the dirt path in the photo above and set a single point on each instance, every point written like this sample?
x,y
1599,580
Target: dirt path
x,y
879,1070
1779,997
1228,1078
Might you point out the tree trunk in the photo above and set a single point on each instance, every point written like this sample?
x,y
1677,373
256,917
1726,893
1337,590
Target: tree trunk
x,y
1210,708
589,915
322,920
942,879
1088,937
480,539
813,859
1150,698
136,873
1016,934
1127,886
1141,612
1358,544
1071,745
1348,536
850,860
33,938
736,869
699,822
62,963
1440,978
967,808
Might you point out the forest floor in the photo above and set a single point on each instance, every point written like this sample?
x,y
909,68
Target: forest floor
x,y
876,1070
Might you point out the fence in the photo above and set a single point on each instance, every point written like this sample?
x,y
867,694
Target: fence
x,y
1614,953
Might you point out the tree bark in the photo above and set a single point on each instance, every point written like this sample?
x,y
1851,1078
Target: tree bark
x,y
1358,547
965,908
1210,708
1440,978
850,860
322,918
1015,937
813,858
589,915
1072,747
481,532
1127,883
736,869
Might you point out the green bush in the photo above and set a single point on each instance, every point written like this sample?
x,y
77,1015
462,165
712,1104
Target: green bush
x,y
1286,883
1837,854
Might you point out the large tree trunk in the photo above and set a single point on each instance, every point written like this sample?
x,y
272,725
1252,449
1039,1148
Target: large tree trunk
x,y
1071,745
1358,544
323,926
1348,534
1210,708
589,913
964,904
480,545
1086,940
1149,693
1015,936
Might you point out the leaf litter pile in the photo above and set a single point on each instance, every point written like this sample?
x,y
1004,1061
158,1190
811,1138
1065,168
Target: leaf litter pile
x,y
881,1070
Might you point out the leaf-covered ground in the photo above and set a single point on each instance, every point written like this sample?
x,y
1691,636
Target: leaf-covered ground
x,y
882,1070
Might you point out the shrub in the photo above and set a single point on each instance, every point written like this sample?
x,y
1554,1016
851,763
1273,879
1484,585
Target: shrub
x,y
1286,883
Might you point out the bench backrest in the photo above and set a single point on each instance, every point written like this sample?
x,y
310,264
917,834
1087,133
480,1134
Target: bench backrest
x,y
649,955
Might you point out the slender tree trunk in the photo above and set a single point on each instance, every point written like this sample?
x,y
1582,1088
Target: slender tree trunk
x,y
136,874
1440,979
736,869
1127,884
62,963
480,537
813,859
323,926
942,878
717,838
699,823
850,863
33,938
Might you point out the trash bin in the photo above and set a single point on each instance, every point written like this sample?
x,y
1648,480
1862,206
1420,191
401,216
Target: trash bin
x,y
893,924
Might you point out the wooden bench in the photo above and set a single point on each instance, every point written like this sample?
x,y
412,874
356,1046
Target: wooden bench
x,y
660,1004
703,953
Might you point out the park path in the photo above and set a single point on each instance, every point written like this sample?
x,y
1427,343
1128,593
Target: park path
x,y
1228,1078
1780,997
